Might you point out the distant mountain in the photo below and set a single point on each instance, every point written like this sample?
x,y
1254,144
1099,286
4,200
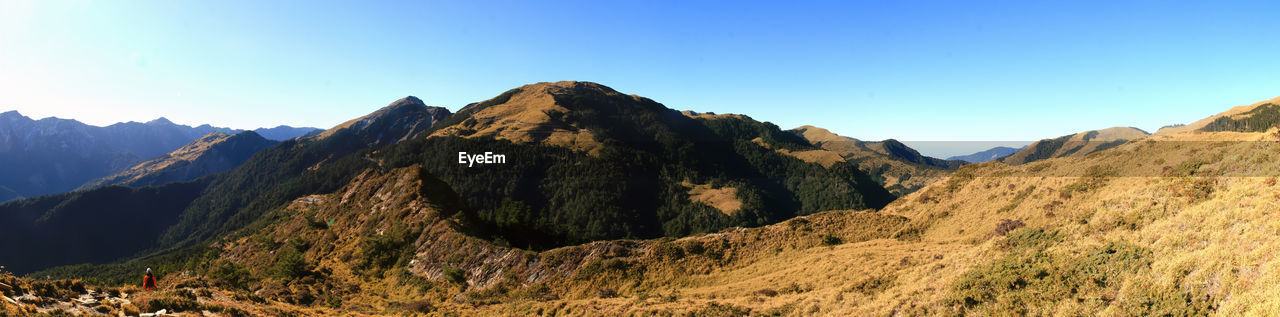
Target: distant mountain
x,y
986,155
213,153
1075,145
284,132
896,166
107,223
52,155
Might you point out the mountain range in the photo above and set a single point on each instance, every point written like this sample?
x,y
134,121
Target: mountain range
x,y
211,154
613,204
54,155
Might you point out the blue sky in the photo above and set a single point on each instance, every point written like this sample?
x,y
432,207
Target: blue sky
x,y
910,70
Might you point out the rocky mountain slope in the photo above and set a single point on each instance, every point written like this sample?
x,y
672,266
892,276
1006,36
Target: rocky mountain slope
x,y
106,224
897,167
211,154
987,155
1075,145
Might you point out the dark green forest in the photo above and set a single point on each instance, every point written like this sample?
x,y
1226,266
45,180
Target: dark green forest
x,y
1257,120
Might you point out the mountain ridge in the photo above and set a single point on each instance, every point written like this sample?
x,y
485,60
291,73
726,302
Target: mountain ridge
x,y
987,155
213,153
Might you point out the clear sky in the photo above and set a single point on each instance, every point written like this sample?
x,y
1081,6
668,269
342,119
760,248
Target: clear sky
x,y
910,70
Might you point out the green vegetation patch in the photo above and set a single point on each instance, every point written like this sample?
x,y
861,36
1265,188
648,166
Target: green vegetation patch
x,y
1029,280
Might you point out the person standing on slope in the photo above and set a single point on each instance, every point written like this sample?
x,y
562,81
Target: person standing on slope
x,y
149,281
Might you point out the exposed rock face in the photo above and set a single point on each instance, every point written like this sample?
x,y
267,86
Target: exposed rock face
x,y
400,121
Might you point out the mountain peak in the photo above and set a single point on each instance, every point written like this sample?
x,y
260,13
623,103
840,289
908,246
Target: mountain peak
x,y
160,121
12,115
408,100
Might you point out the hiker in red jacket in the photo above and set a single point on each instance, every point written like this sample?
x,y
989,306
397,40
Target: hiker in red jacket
x,y
149,281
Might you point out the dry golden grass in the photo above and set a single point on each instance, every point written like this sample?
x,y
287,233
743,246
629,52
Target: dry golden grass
x,y
724,199
525,118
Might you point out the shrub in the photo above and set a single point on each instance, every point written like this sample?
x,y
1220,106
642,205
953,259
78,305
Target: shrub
x,y
420,306
230,274
828,239
455,275
668,250
1007,225
172,304
289,263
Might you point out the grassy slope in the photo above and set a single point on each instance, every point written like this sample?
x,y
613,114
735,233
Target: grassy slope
x,y
1181,224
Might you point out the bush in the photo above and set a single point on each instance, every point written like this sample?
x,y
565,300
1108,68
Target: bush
x,y
455,275
381,252
1007,225
231,275
668,250
289,263
831,240
172,304
420,306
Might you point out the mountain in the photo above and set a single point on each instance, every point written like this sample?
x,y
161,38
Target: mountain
x,y
894,165
1240,118
986,155
213,153
1170,225
650,172
284,132
1074,145
116,222
988,239
590,163
51,155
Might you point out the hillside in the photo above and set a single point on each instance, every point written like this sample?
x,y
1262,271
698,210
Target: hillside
x,y
1233,114
1074,145
211,154
590,163
897,167
986,155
